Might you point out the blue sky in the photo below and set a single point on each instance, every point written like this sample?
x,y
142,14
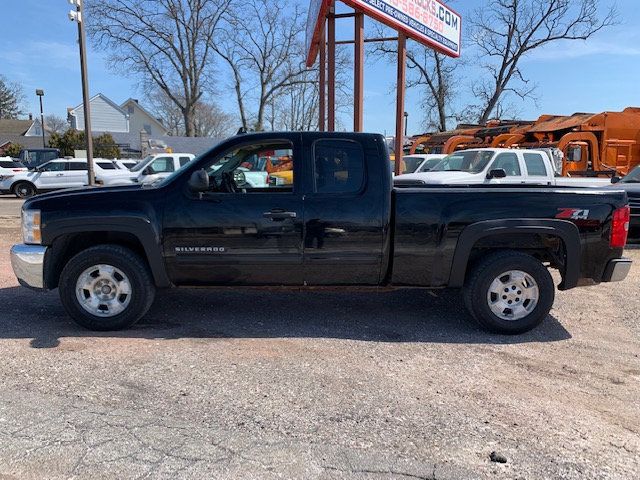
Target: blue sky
x,y
38,49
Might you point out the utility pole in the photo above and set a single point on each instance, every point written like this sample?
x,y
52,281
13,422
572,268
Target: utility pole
x,y
78,17
40,93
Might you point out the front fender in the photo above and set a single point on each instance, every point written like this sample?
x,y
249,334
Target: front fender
x,y
137,225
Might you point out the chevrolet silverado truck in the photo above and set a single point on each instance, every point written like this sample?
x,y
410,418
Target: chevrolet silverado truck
x,y
339,223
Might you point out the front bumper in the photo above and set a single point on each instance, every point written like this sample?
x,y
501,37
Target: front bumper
x,y
617,270
28,265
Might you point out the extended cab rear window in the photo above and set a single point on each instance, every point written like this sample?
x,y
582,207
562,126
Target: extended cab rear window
x,y
535,165
338,166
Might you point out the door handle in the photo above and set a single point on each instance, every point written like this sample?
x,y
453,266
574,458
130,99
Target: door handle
x,y
60,175
279,215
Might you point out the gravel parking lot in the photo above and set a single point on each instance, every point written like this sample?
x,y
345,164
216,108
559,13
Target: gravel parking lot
x,y
280,384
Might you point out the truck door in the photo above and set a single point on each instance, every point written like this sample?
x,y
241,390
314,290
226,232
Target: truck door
x,y
236,234
510,163
344,210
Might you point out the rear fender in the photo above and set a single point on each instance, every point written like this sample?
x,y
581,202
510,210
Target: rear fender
x,y
565,230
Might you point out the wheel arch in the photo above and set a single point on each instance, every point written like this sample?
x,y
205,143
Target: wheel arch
x,y
74,236
13,186
505,234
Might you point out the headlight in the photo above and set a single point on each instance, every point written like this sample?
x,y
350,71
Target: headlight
x,y
31,220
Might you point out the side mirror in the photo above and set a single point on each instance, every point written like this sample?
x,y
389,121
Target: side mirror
x,y
199,181
147,171
615,180
496,173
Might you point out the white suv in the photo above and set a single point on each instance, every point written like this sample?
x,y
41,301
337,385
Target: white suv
x,y
55,175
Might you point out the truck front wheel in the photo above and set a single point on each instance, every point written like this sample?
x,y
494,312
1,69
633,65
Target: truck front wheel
x,y
509,292
107,287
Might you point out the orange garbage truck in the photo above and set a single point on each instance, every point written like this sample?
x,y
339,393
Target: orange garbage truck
x,y
588,144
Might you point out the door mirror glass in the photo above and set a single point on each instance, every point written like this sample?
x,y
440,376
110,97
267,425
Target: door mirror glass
x,y
615,180
199,181
497,173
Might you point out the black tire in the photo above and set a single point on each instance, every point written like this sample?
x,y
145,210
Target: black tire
x,y
138,275
477,290
24,190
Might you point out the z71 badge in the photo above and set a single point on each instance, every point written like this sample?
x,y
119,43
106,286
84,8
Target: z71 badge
x,y
573,214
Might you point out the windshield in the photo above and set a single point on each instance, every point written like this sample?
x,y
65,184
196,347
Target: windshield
x,y
632,177
428,165
471,161
411,164
142,163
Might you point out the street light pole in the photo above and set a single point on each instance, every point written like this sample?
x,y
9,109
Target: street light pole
x,y
40,93
78,16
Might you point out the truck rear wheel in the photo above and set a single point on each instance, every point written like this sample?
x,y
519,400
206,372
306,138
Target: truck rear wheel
x,y
107,287
509,292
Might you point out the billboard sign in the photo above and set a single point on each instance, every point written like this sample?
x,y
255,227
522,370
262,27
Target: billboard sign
x,y
315,24
429,22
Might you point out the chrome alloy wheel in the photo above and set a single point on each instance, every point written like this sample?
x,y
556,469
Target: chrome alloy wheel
x,y
513,295
103,290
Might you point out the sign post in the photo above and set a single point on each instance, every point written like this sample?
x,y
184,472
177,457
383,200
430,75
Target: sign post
x,y
401,80
429,22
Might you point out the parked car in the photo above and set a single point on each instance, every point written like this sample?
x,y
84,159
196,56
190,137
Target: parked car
x,y
497,165
151,169
34,157
54,175
9,167
631,184
425,161
127,163
340,223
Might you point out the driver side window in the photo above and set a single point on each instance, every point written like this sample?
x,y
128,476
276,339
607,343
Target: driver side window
x,y
253,169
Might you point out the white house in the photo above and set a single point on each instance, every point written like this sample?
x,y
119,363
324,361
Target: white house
x,y
106,116
140,119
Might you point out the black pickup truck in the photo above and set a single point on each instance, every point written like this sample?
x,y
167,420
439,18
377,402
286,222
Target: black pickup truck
x,y
324,214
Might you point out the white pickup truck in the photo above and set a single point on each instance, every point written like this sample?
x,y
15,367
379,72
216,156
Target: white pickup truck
x,y
151,168
499,166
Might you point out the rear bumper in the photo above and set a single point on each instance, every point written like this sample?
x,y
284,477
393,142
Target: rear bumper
x,y
28,265
617,270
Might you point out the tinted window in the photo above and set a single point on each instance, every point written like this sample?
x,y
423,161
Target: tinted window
x,y
106,165
162,165
78,166
184,161
535,165
509,163
53,167
338,166
10,164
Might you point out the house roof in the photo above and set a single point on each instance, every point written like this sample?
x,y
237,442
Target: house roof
x,y
26,142
194,145
144,110
14,127
105,98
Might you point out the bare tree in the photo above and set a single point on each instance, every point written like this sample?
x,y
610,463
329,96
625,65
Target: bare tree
x,y
505,31
166,42
55,124
11,99
209,120
430,71
264,49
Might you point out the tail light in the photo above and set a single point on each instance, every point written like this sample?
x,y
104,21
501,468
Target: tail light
x,y
620,227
